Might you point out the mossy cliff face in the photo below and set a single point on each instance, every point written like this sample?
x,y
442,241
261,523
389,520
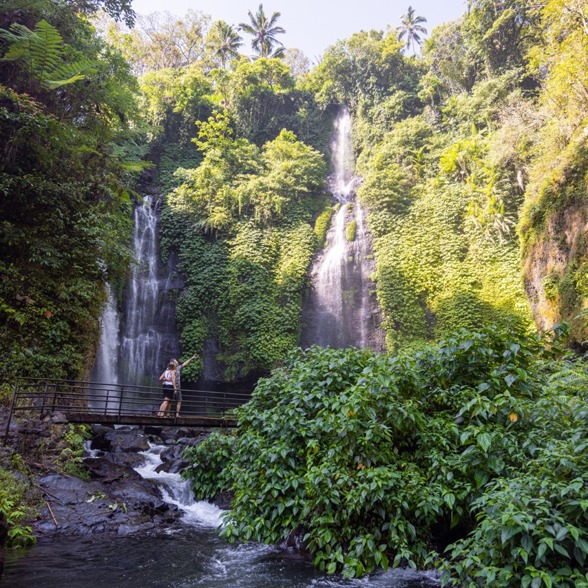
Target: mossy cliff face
x,y
554,235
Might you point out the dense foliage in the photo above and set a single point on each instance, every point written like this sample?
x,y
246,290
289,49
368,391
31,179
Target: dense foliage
x,y
469,455
64,195
439,182
242,225
69,157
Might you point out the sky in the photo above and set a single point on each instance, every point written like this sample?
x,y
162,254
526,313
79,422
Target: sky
x,y
313,25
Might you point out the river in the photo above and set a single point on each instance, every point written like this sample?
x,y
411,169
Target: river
x,y
188,555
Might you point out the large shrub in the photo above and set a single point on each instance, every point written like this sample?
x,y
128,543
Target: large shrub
x,y
381,461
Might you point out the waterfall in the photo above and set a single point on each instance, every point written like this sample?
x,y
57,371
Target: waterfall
x,y
340,311
105,369
137,350
106,366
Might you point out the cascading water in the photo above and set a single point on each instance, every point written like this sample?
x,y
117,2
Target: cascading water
x,y
188,555
340,311
138,350
107,358
106,367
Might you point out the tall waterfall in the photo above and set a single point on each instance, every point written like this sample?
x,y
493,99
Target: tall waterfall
x,y
105,369
340,310
136,350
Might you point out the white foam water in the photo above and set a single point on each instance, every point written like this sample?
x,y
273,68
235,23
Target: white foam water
x,y
175,490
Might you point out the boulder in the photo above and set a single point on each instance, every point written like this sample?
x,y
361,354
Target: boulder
x,y
106,471
115,440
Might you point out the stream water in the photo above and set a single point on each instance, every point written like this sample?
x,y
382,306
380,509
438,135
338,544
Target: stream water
x,y
188,555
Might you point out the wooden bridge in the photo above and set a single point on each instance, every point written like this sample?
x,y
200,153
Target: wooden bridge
x,y
92,402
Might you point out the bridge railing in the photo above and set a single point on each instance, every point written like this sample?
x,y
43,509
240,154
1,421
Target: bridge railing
x,y
34,397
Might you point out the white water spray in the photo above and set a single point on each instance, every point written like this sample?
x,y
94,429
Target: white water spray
x,y
175,490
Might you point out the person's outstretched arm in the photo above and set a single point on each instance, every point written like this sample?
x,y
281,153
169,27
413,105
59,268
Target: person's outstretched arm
x,y
188,360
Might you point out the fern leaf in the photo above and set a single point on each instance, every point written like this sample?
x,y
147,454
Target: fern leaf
x,y
68,73
19,39
40,51
67,70
46,51
15,53
53,84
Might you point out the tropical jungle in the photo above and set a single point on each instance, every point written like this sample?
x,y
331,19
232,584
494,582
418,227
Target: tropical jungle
x,y
460,443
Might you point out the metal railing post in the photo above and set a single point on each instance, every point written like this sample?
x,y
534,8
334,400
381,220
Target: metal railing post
x,y
45,393
55,397
12,404
120,401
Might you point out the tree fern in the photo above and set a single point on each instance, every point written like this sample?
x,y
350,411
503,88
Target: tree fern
x,y
11,5
41,54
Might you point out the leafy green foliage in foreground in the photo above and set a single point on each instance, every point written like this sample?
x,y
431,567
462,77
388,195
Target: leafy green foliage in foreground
x,y
469,455
17,502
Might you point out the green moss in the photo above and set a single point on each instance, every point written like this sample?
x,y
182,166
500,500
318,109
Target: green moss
x,y
350,231
321,226
550,285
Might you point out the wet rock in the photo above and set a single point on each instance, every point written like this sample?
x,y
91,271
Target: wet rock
x,y
100,439
6,454
125,530
130,440
171,453
81,507
169,435
136,492
131,460
223,500
107,471
190,441
173,466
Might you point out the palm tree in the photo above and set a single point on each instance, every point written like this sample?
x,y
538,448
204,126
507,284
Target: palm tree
x,y
411,28
224,42
264,33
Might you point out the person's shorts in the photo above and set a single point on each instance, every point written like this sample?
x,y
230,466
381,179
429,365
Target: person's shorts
x,y
179,395
168,392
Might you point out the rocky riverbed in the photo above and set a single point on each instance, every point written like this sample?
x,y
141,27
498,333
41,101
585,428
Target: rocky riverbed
x,y
114,498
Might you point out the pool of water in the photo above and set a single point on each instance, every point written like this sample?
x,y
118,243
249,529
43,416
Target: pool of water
x,y
186,558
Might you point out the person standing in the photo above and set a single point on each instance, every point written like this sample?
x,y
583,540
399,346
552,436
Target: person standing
x,y
168,379
178,383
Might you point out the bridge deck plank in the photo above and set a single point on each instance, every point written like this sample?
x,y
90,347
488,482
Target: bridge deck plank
x,y
181,421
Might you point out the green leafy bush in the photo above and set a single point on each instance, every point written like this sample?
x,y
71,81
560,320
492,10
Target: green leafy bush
x,y
13,500
381,461
241,223
70,460
321,226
